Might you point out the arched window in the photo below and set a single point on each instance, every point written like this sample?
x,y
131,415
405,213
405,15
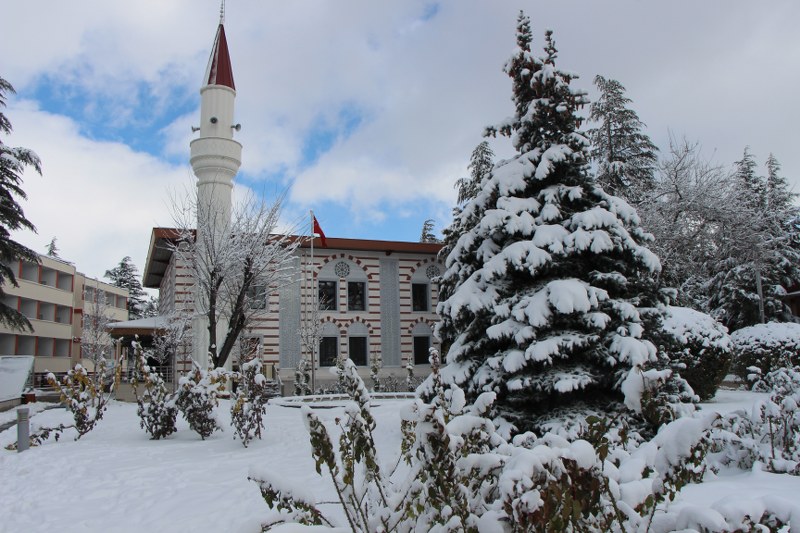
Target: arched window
x,y
328,344
358,343
422,335
355,282
421,281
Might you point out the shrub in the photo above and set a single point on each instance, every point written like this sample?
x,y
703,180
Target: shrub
x,y
760,349
252,394
701,351
156,406
197,398
83,395
458,474
302,378
769,432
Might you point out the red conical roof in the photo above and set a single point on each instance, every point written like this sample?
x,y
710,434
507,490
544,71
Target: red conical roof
x,y
219,71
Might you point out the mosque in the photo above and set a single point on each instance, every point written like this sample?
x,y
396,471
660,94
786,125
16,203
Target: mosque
x,y
372,297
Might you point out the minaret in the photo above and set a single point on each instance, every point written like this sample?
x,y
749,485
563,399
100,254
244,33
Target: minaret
x,y
215,156
215,159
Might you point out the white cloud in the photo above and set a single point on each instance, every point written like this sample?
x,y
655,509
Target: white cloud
x,y
719,72
98,199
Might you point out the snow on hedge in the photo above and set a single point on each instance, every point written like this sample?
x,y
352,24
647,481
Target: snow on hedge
x,y
773,334
688,325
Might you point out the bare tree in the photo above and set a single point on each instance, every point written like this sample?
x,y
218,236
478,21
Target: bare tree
x,y
96,344
689,206
235,261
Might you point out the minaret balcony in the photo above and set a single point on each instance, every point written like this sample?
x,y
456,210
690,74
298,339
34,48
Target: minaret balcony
x,y
217,153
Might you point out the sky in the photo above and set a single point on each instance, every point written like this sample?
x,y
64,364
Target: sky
x,y
366,112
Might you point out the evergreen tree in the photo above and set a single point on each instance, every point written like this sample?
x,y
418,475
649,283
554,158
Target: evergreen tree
x,y
13,161
480,165
626,158
126,276
778,194
553,293
427,234
150,308
758,250
52,249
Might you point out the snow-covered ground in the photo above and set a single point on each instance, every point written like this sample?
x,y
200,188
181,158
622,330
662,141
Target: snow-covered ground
x,y
116,479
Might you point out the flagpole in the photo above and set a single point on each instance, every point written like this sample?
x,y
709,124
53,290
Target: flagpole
x,y
314,296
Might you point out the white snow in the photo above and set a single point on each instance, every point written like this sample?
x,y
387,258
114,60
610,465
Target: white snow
x,y
14,372
686,324
770,334
116,479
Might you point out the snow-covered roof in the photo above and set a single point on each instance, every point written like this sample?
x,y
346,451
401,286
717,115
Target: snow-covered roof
x,y
138,326
14,372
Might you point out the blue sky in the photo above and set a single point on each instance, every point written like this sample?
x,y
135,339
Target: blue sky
x,y
364,111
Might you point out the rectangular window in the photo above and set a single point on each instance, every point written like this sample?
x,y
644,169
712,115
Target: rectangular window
x,y
257,297
327,296
419,296
421,350
358,350
328,351
356,295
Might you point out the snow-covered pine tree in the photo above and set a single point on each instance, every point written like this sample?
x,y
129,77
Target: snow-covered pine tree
x,y
126,276
626,158
13,161
553,284
480,165
758,250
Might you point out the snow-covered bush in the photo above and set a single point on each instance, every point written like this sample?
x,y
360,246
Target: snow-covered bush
x,y
197,397
760,349
82,395
769,433
302,378
375,365
252,393
156,406
458,474
701,351
411,384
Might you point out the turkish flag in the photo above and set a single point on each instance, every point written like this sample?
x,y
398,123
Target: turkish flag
x,y
318,231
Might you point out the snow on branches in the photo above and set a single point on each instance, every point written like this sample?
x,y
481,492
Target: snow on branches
x,y
197,397
156,406
551,290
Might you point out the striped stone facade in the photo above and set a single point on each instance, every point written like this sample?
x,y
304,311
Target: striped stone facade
x,y
380,316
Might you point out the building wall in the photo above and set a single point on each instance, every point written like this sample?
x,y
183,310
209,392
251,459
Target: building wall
x,y
51,295
388,321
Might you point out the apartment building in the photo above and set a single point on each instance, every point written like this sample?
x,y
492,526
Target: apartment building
x,y
54,297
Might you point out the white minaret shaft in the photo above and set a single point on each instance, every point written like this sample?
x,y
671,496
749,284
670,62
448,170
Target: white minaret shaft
x,y
215,159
